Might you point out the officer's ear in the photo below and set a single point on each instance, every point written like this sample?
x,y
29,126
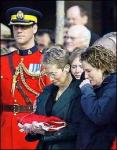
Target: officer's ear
x,y
35,28
66,68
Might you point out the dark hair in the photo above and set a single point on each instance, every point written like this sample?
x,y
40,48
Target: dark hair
x,y
100,58
74,54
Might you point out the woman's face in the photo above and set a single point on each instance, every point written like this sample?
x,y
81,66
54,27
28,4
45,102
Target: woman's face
x,y
93,74
57,75
76,68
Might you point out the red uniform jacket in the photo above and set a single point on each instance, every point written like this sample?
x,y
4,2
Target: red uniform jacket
x,y
114,145
11,138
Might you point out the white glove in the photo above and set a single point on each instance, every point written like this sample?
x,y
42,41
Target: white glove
x,y
37,128
21,127
25,128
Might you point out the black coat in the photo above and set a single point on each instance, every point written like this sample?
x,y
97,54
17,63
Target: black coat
x,y
67,109
94,37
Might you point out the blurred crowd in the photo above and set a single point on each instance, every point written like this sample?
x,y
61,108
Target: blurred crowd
x,y
76,34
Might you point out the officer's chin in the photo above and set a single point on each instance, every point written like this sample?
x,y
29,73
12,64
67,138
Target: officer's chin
x,y
20,41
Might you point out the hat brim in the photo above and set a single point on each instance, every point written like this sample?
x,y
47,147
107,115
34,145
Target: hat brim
x,y
21,23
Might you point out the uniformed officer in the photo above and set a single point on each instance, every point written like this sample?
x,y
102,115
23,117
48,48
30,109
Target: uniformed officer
x,y
21,77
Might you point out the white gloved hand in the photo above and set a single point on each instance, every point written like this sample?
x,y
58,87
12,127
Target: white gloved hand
x,y
37,128
25,128
21,126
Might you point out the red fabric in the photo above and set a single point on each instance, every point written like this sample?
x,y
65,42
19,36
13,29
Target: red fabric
x,y
11,137
39,118
114,145
52,123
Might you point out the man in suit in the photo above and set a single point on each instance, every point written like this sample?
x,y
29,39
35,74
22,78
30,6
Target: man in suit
x,y
77,15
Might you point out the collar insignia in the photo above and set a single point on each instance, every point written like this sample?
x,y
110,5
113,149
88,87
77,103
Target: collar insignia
x,y
29,52
24,52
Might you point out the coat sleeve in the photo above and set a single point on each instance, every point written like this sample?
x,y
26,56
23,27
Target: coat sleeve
x,y
100,110
61,135
33,137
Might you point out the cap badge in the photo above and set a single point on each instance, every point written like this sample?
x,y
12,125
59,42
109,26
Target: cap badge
x,y
20,15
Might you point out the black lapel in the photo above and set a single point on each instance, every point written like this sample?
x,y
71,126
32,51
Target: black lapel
x,y
66,98
44,99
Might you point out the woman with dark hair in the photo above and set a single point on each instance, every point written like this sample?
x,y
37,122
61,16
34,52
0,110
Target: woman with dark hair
x,y
99,95
75,64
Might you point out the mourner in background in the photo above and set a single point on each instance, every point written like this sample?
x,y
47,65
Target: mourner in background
x,y
77,15
77,36
44,38
7,43
108,41
75,63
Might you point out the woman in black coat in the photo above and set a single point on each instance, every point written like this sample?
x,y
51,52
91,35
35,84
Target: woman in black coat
x,y
58,99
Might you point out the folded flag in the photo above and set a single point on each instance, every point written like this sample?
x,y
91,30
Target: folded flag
x,y
48,123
